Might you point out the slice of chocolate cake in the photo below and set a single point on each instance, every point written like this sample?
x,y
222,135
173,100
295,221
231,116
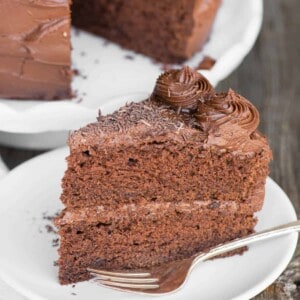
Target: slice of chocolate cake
x,y
35,49
161,179
168,30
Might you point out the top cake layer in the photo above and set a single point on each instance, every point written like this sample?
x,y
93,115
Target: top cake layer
x,y
35,49
185,106
185,143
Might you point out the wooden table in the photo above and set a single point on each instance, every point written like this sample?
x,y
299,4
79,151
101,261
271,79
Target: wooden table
x,y
269,78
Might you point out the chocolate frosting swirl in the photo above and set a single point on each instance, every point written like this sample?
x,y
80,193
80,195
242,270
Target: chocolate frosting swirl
x,y
227,108
182,88
226,119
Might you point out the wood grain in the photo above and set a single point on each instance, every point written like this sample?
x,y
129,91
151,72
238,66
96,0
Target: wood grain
x,y
269,77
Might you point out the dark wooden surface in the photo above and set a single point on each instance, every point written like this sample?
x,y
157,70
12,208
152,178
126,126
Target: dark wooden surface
x,y
269,77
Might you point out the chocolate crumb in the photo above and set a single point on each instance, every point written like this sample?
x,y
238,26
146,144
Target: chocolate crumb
x,y
55,242
130,57
76,72
73,294
82,53
79,100
50,229
49,217
55,263
206,64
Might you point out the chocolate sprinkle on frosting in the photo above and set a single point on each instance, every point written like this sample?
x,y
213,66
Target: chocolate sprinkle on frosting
x,y
184,104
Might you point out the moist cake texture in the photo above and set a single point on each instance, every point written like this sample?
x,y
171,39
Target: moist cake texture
x,y
169,30
161,179
35,49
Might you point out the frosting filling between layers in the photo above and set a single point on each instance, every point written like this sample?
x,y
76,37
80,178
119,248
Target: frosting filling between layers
x,y
108,214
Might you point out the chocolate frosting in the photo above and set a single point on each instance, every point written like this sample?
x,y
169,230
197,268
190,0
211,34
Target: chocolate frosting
x,y
183,108
182,88
35,49
227,119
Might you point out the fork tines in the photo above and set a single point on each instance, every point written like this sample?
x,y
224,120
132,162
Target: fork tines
x,y
125,280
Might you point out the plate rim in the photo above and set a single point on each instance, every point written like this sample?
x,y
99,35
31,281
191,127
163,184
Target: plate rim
x,y
13,283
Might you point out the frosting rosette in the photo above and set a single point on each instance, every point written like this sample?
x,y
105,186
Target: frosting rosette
x,y
228,119
224,119
182,88
227,109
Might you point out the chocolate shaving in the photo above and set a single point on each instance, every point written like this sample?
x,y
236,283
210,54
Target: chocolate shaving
x,y
130,57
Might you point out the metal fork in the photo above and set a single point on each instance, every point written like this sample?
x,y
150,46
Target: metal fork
x,y
170,277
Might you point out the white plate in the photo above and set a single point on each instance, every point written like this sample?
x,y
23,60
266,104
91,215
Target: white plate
x,y
109,74
26,254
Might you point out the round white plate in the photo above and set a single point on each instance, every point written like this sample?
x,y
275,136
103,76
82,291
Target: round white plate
x,y
27,254
106,72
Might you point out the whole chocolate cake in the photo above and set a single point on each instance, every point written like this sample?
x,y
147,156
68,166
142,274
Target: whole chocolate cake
x,y
35,37
161,179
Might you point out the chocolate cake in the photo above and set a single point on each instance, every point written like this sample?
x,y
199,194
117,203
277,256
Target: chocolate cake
x,y
35,47
162,179
168,30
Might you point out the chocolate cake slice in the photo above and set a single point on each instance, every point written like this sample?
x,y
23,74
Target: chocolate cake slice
x,y
159,180
35,49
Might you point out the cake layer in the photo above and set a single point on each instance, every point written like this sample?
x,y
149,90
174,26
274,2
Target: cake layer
x,y
35,50
169,30
145,235
160,172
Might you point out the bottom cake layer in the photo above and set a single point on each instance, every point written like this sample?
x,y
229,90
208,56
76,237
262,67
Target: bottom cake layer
x,y
142,236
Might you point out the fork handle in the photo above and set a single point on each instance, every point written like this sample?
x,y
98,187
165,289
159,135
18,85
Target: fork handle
x,y
244,241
